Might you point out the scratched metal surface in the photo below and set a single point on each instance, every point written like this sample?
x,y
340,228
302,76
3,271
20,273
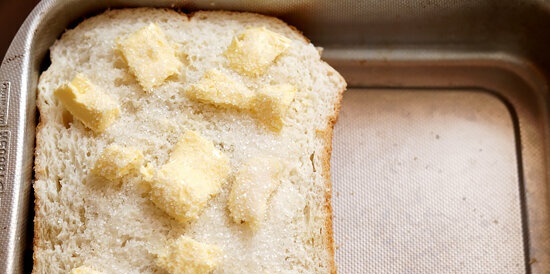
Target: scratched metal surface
x,y
440,156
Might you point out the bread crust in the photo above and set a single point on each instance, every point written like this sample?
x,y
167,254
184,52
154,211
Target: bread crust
x,y
327,135
36,227
38,174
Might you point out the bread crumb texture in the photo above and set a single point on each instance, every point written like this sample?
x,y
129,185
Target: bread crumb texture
x,y
190,173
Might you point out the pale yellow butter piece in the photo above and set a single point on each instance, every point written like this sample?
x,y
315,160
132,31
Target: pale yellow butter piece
x,y
147,172
193,174
255,49
84,270
150,56
88,103
187,256
271,104
254,183
115,162
218,88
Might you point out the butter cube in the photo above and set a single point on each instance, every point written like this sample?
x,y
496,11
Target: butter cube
x,y
255,49
150,56
187,256
219,89
84,270
254,183
147,172
88,103
116,162
271,104
193,174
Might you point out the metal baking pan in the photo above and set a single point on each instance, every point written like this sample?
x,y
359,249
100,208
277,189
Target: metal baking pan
x,y
441,153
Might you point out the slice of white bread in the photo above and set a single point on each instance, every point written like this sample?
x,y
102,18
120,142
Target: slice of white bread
x,y
86,221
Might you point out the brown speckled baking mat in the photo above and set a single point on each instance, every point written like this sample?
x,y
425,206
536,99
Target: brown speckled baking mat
x,y
426,182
